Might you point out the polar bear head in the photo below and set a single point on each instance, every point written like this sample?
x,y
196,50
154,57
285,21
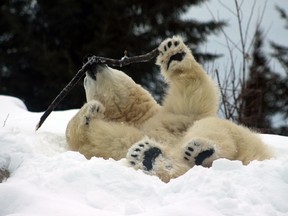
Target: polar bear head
x,y
124,100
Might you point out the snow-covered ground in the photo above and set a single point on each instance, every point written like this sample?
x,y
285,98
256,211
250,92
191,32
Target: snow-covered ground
x,y
48,179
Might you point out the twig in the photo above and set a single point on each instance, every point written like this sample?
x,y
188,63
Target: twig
x,y
222,93
92,61
5,120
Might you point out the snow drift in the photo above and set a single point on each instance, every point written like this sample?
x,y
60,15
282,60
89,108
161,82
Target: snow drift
x,y
48,179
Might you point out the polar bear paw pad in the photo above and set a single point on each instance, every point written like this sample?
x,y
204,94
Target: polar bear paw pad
x,y
171,50
197,151
143,155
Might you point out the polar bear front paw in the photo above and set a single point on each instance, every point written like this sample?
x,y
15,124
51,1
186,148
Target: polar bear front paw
x,y
200,152
93,110
171,51
142,155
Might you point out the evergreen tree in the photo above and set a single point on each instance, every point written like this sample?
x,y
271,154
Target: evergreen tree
x,y
262,96
42,43
280,52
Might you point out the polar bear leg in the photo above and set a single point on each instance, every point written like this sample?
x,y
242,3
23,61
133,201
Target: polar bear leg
x,y
153,159
209,139
91,135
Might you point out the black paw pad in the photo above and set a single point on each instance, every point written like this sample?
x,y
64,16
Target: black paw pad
x,y
188,153
150,156
203,155
177,57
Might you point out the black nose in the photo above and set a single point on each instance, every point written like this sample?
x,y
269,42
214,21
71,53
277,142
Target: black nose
x,y
94,67
91,69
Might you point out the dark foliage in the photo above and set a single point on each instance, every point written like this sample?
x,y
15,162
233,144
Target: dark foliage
x,y
42,43
265,93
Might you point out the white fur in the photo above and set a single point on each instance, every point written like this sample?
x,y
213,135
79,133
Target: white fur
x,y
122,119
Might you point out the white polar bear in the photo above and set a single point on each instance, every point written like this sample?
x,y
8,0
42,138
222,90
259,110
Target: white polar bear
x,y
122,119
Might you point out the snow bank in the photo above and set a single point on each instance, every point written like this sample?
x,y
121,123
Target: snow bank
x,y
47,179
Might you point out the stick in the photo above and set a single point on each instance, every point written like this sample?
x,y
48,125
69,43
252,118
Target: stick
x,y
6,120
94,60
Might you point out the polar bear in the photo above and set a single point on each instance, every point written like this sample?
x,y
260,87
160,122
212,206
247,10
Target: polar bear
x,y
121,119
119,112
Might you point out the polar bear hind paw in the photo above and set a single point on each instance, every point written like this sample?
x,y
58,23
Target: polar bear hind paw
x,y
200,152
142,155
94,110
171,50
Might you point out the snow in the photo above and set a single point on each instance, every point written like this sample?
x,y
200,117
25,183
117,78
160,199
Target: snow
x,y
48,179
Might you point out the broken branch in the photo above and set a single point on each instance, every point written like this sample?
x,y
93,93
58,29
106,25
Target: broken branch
x,y
92,61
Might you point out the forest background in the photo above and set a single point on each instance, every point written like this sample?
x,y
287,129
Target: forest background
x,y
43,43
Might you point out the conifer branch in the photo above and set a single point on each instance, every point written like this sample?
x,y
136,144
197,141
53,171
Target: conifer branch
x,y
92,61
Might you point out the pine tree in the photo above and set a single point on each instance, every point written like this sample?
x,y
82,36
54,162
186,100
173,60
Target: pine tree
x,y
262,96
42,43
280,52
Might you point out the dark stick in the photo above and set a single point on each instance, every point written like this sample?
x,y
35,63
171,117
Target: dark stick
x,y
94,60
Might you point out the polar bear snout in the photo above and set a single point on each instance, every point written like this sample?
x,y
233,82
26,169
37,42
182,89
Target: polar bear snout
x,y
94,69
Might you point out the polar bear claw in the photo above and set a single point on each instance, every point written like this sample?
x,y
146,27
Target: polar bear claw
x,y
94,110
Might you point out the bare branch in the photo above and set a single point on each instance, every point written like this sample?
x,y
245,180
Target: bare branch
x,y
92,61
249,21
222,94
238,10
